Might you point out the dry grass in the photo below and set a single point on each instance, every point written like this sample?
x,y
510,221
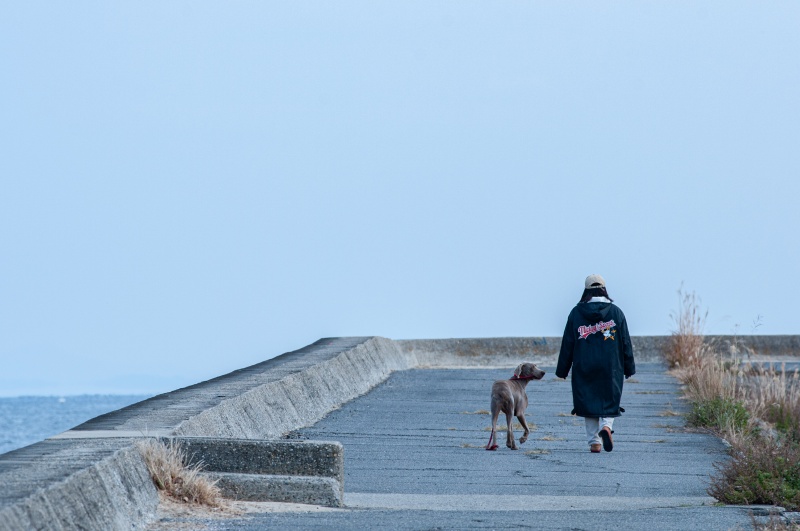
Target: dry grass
x,y
757,410
710,377
537,451
166,463
478,412
551,438
774,396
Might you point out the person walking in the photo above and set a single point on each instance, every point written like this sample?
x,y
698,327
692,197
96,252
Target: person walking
x,y
597,347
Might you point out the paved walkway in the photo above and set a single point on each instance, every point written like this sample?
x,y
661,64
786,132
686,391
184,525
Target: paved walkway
x,y
414,459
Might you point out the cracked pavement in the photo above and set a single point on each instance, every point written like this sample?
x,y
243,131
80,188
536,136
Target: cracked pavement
x,y
415,459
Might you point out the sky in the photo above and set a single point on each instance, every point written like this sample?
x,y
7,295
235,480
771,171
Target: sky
x,y
190,187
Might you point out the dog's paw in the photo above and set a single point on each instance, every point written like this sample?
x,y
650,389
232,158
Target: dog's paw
x,y
523,439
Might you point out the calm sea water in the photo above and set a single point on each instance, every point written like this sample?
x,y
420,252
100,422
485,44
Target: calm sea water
x,y
25,420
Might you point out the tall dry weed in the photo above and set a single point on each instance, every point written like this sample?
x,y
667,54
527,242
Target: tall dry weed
x,y
685,345
710,376
166,463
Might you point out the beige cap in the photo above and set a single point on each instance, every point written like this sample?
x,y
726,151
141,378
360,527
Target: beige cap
x,y
595,279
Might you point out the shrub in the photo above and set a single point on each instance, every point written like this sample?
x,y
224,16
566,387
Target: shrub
x,y
762,470
719,414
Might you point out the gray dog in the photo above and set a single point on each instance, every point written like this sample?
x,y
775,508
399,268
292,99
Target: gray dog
x,y
509,397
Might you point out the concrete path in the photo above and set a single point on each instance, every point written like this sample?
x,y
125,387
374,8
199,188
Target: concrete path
x,y
414,459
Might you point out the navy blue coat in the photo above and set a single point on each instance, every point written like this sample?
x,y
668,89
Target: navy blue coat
x,y
597,347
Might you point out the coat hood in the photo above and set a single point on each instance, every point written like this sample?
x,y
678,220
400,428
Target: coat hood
x,y
594,311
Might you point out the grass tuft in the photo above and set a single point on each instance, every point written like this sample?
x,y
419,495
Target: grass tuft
x,y
166,463
537,451
669,412
551,438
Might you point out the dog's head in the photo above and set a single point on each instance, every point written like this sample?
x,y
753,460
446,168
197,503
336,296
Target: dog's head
x,y
528,371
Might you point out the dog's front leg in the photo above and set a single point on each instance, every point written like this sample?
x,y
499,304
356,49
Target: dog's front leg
x,y
492,445
510,434
525,427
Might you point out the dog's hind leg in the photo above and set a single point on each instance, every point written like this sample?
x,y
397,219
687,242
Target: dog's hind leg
x,y
510,434
493,436
525,427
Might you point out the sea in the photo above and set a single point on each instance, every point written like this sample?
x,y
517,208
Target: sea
x,y
25,420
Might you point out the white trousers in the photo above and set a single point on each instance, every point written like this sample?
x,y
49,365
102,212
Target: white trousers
x,y
594,425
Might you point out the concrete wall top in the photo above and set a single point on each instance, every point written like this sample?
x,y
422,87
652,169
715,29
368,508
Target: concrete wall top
x,y
509,351
293,386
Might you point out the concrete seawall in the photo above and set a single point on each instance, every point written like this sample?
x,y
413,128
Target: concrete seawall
x,y
91,477
506,351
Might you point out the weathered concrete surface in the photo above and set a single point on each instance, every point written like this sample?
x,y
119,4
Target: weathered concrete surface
x,y
283,457
258,470
98,484
415,460
314,490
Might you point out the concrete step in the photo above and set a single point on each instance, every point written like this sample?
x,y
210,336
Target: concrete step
x,y
273,488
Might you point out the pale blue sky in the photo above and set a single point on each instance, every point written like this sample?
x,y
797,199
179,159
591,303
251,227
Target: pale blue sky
x,y
192,187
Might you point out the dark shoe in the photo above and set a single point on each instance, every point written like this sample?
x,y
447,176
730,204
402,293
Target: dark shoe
x,y
594,448
608,443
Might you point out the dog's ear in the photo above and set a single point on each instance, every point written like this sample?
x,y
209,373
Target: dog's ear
x,y
518,370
